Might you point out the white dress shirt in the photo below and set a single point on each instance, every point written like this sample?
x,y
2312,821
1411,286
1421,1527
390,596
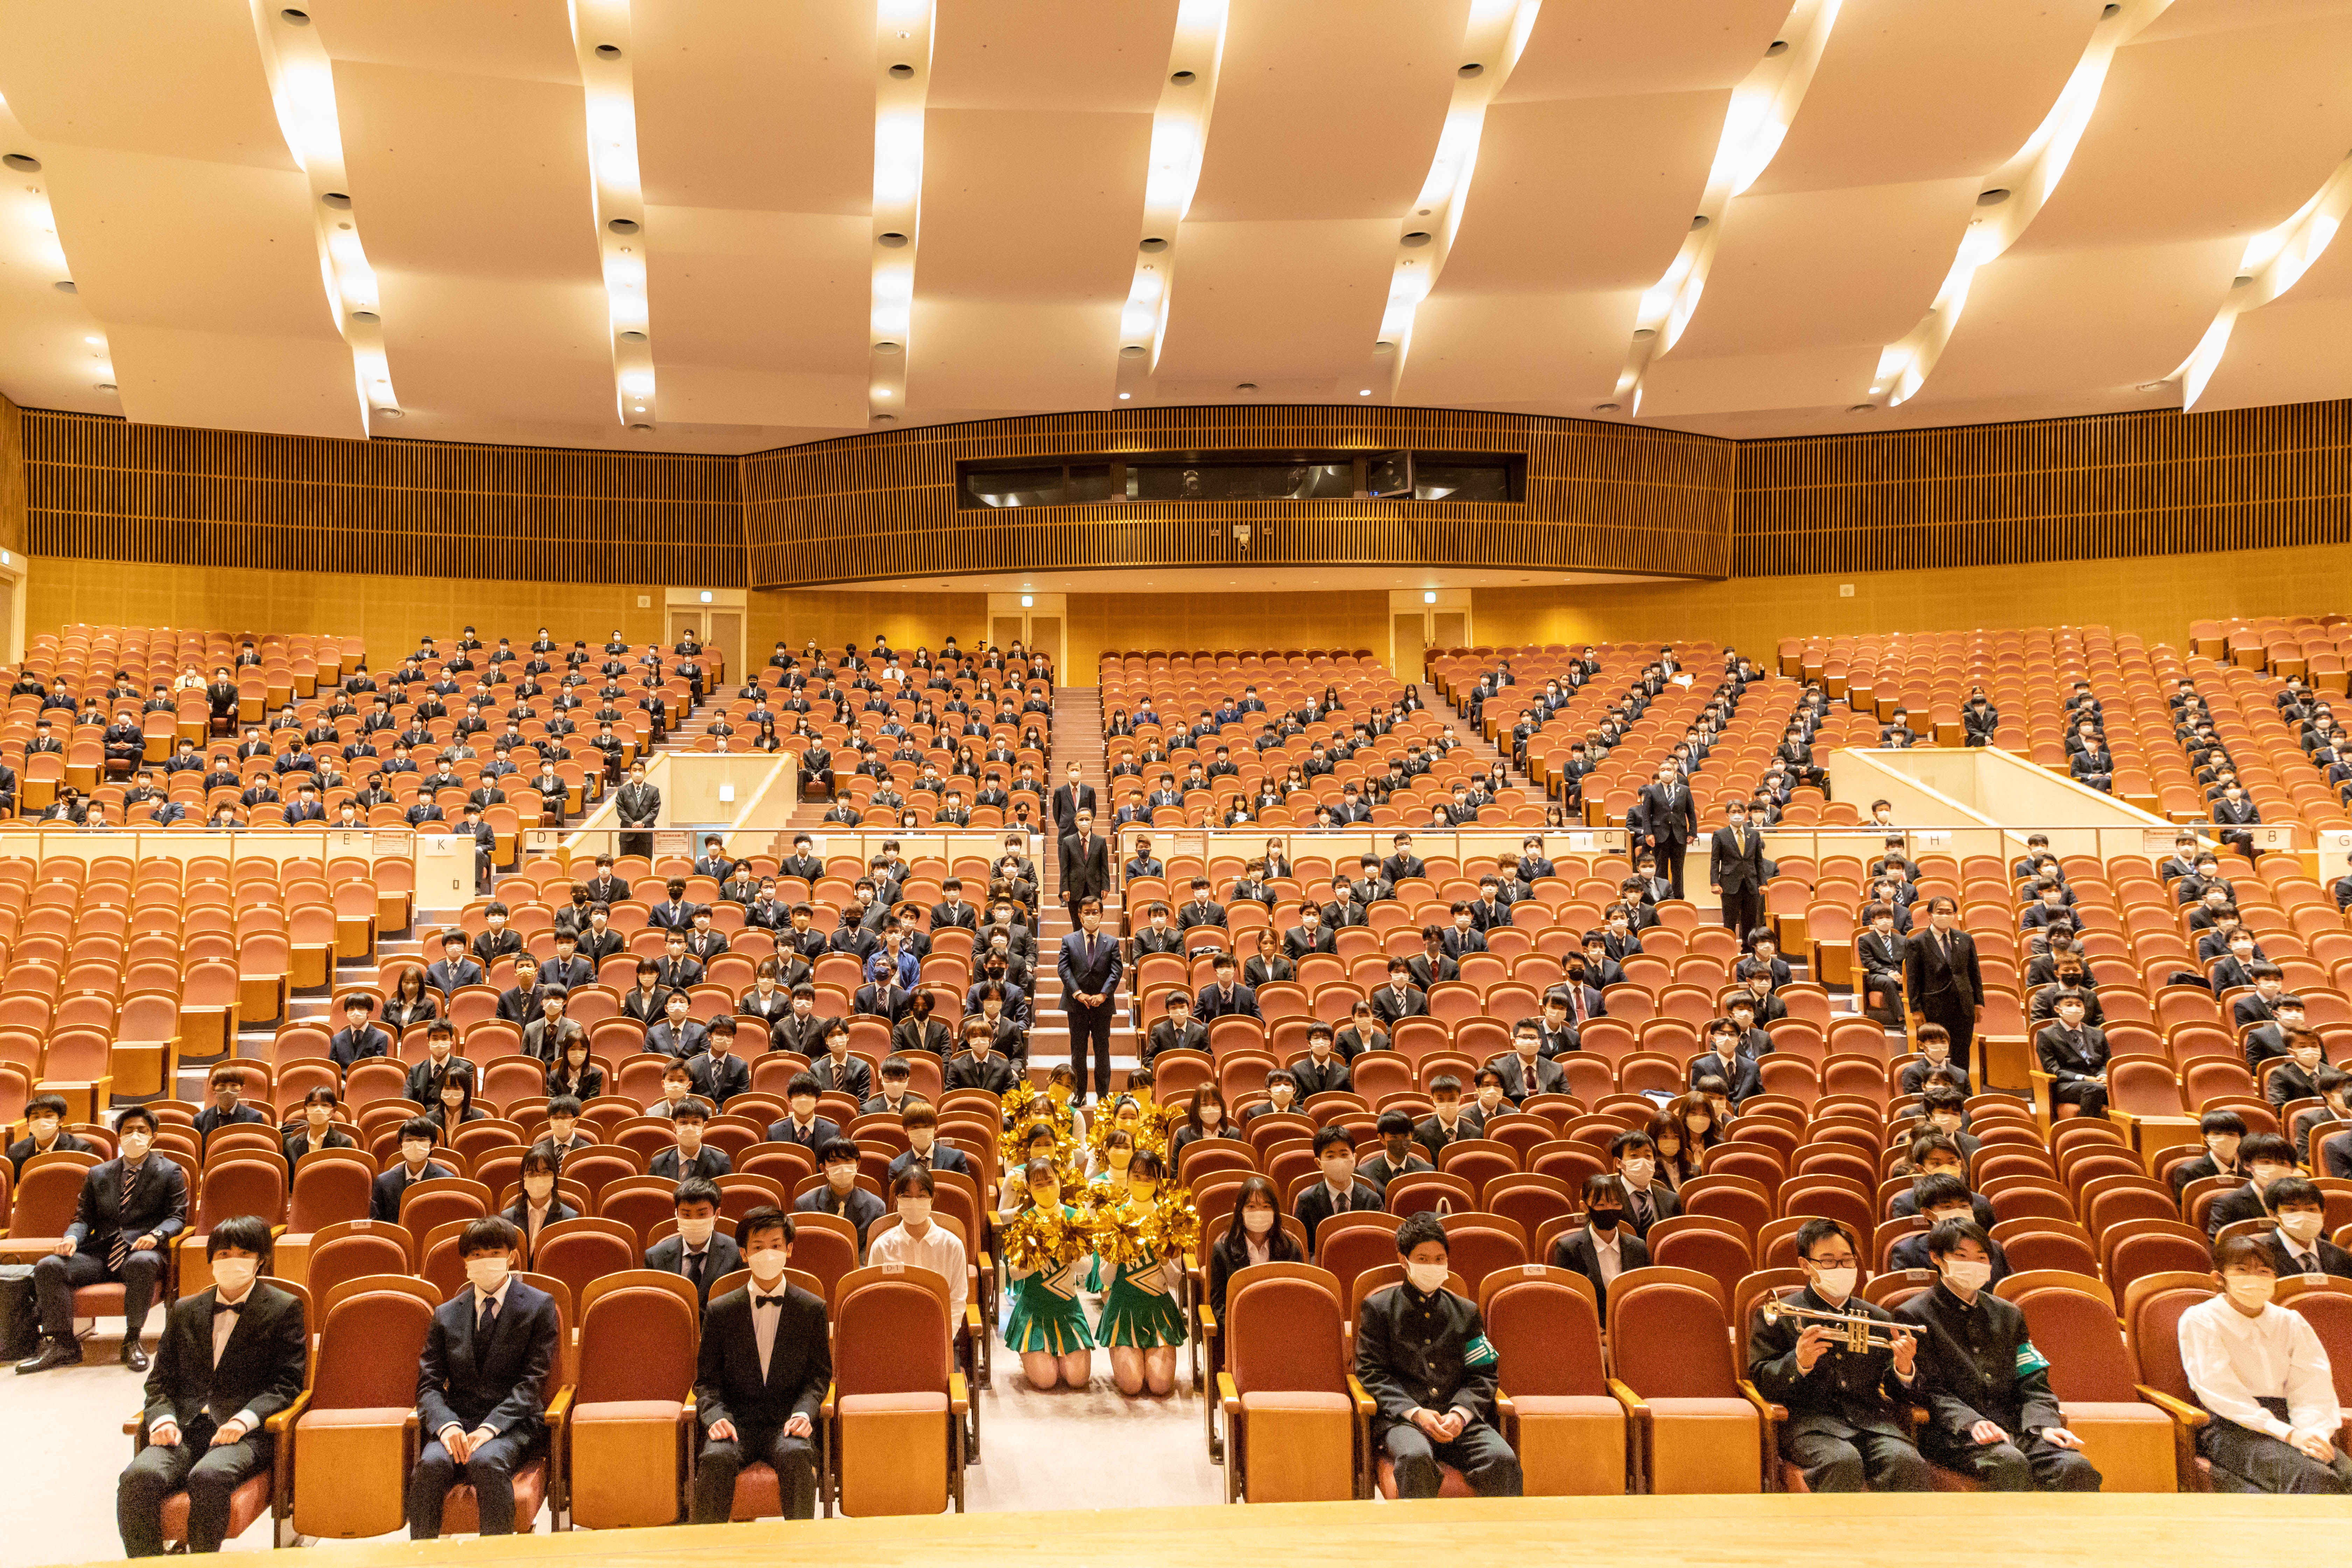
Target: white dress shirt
x,y
936,1249
766,1319
2232,1360
1609,1254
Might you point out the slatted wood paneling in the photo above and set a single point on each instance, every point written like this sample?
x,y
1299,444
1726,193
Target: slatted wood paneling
x,y
1600,497
2112,485
103,489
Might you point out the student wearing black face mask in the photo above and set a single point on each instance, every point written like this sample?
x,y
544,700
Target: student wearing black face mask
x,y
1605,1246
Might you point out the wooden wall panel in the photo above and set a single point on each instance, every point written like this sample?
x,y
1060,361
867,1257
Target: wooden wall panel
x,y
12,477
1598,496
102,489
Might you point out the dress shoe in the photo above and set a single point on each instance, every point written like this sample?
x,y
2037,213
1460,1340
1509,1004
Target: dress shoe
x,y
56,1351
134,1356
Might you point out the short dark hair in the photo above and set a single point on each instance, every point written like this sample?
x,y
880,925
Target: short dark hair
x,y
2294,1190
694,1190
1332,1136
1628,1141
414,1127
913,1179
1947,1234
1419,1227
248,1233
767,1216
2214,1122
1941,1187
1813,1232
833,1149
488,1234
2270,1146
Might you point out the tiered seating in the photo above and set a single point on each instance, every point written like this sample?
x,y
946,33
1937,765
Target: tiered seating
x,y
2315,647
2241,694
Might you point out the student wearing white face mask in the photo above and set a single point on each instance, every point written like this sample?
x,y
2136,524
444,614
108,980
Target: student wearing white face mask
x,y
1991,1415
536,1207
765,1364
697,1252
230,1358
2264,1374
2268,1159
1421,1354
2297,1243
1844,1430
919,1241
418,1135
478,1384
1256,1236
45,1134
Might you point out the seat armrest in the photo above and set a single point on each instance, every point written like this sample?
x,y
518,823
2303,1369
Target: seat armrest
x,y
958,1393
1628,1398
832,1393
1365,1407
276,1425
1764,1408
2181,1412
1208,1320
1228,1395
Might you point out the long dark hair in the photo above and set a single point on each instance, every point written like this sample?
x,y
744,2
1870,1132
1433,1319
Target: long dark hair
x,y
1281,1246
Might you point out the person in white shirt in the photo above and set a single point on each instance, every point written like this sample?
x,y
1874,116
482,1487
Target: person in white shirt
x,y
2262,1373
919,1241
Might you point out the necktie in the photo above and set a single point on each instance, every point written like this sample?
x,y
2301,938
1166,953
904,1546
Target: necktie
x,y
119,1252
694,1267
483,1327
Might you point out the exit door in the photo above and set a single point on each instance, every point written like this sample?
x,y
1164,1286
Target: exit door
x,y
719,627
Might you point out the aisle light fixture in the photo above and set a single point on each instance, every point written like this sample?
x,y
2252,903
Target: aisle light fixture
x,y
602,39
1179,134
902,59
2275,260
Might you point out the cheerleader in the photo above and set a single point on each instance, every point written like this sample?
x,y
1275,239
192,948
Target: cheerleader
x,y
1145,1235
1044,1245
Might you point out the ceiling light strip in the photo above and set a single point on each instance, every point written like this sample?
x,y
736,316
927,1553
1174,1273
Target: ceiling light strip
x,y
303,87
2275,260
28,237
902,60
1492,41
602,34
2013,196
1763,106
1180,133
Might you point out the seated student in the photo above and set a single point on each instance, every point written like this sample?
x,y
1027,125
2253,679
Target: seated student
x,y
1935,1063
917,1241
1176,1032
1944,1109
1449,1122
1932,1154
418,1134
689,1155
718,1073
45,1134
358,1039
228,1108
230,1358
1256,1236
1648,1199
1204,1117
2297,1078
2312,1126
918,1031
1422,1354
838,1072
978,1065
2075,1055
697,1253
2222,1132
1339,1191
839,1193
1399,1155
677,1089
1990,1413
316,1130
1940,1196
895,1095
2296,1244
1223,996
2268,1159
536,1207
801,1124
1845,1428
2267,1038
457,1105
424,1085
1723,1058
766,1362
679,1034
1362,1034
1605,1246
1324,1071
562,1133
478,1386
1281,1095
2262,1373
130,1209
1523,1069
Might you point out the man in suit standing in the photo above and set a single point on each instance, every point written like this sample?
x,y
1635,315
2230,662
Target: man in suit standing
x,y
230,1358
638,804
766,1366
1735,869
1089,967
1941,979
480,1386
1074,800
1086,863
1663,819
131,1208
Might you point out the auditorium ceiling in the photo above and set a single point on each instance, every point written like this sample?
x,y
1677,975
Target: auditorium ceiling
x,y
726,225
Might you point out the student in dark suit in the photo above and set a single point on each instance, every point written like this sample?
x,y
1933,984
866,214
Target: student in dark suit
x,y
1074,802
765,1364
2297,1078
424,1079
980,1065
45,1134
801,1124
1085,864
689,1156
2296,1244
478,1386
357,1039
801,1029
697,1252
536,1207
1089,970
1648,1199
923,1146
836,1071
131,1208
1524,1069
1941,979
1941,1195
1323,1070
1878,953
1339,1191
1449,1121
228,1108
453,969
839,1193
1663,818
1223,997
1735,869
1176,1032
2269,1159
1844,1430
316,1129
717,1073
1723,1058
1421,1354
230,1358
418,1134
1605,1246
2075,1056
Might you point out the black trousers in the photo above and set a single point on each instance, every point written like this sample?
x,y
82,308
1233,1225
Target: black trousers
x,y
1865,1461
637,843
1962,1024
1743,910
791,1459
1479,1452
2245,1460
208,1475
56,1279
490,1470
1091,1024
2091,1097
2025,1463
1670,853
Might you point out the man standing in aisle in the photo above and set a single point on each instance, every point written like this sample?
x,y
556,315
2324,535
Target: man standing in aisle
x,y
1089,967
1941,978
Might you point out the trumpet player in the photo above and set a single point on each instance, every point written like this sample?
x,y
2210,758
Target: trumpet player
x,y
1844,1429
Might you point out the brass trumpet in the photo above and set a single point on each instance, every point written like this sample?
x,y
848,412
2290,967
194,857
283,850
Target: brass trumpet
x,y
1852,1330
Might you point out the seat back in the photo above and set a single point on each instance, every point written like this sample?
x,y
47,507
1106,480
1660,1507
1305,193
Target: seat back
x,y
2076,1331
369,1342
1668,1336
1282,1329
638,1338
1545,1327
2152,1312
582,1251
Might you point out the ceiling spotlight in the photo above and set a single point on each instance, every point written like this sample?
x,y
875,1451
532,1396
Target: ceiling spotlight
x,y
608,51
884,418
881,392
23,163
1384,347
1153,246
1182,78
389,414
1244,386
1131,350
103,386
1416,239
1605,408
337,200
1644,334
887,348
1123,396
2151,386
1698,221
637,408
1862,407
1466,72
1365,393
633,336
1992,198
2242,280
901,72
639,425
891,241
93,339
623,226
1780,46
295,18
366,317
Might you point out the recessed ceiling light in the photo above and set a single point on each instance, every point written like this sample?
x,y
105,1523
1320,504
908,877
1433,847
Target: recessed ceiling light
x,y
1183,79
1365,393
1698,221
608,51
633,336
93,339
2151,386
368,318
1244,386
640,408
1416,239
623,226
1862,407
1153,246
1644,334
65,285
23,163
389,414
1992,198
1123,396
884,418
2242,280
1472,68
1605,408
887,348
1131,350
337,200
1780,46
103,386
1384,347
640,426
901,72
891,241
295,18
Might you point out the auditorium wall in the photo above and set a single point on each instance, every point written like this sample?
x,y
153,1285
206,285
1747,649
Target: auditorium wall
x,y
11,476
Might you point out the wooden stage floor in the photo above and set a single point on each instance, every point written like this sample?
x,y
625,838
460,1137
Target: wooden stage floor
x,y
1917,1531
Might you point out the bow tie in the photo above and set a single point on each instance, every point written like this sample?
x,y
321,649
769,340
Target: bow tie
x,y
220,1307
760,1301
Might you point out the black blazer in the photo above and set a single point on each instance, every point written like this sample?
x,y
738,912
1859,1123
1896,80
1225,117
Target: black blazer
x,y
1845,1394
944,1157
2237,1204
383,1196
668,1256
1669,822
2071,1059
2333,1259
805,1036
298,1144
1549,1077
158,1205
1085,873
519,1215
1230,1255
1744,1079
261,1367
1732,865
499,1389
1927,976
858,1207
728,1383
1315,1206
1573,1249
850,1076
